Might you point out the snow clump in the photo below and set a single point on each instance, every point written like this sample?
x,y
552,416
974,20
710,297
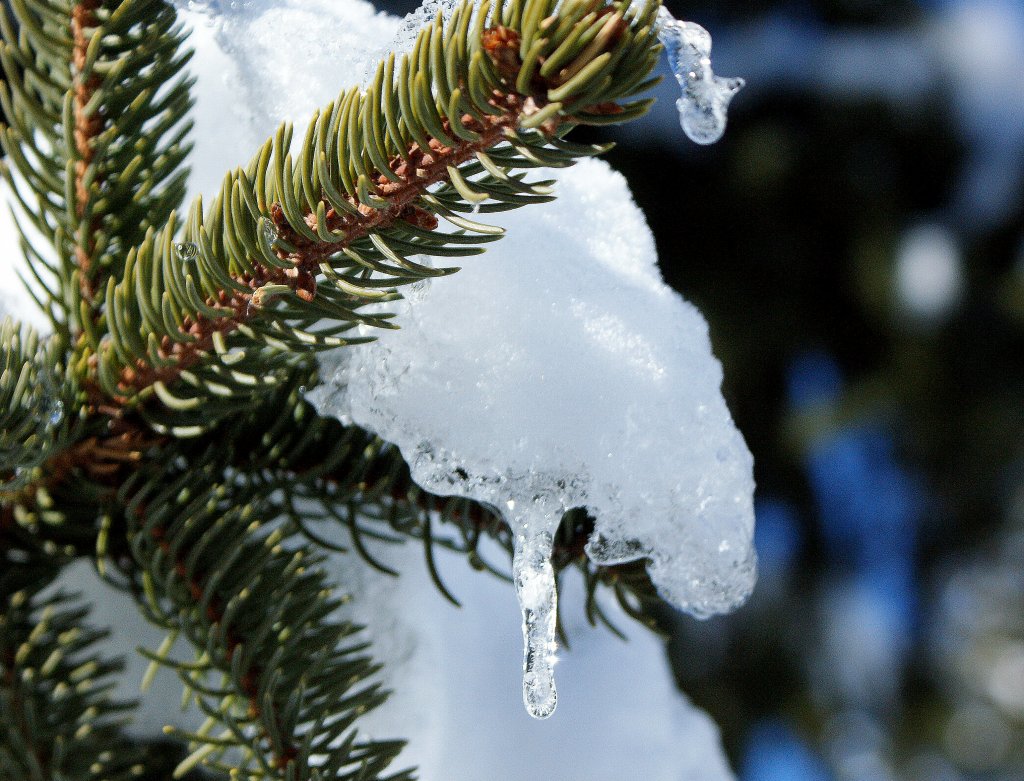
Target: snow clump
x,y
556,371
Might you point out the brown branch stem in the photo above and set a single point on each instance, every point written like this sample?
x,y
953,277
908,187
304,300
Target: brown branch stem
x,y
86,128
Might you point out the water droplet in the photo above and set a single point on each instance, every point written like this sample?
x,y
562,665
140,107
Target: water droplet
x,y
418,290
186,250
269,231
56,413
705,100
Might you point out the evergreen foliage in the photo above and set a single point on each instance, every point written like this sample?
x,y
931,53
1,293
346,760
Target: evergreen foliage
x,y
161,428
56,717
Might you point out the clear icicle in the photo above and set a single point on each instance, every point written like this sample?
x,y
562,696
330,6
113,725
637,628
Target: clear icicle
x,y
535,587
705,101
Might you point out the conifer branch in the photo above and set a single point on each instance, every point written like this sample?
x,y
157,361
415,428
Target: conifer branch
x,y
164,337
87,127
294,246
56,716
282,678
81,81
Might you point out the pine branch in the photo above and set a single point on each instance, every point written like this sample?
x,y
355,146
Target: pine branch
x,y
293,247
280,680
57,720
82,81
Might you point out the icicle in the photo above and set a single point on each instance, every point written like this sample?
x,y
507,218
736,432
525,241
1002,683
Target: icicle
x,y
706,97
535,587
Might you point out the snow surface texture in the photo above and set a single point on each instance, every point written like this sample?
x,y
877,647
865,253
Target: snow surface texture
x,y
556,371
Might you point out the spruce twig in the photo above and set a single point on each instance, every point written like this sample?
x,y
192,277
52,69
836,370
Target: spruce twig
x,y
294,246
56,717
86,128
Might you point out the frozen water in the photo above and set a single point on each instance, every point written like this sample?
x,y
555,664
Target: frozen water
x,y
454,698
965,53
705,100
558,370
584,381
56,413
534,580
186,250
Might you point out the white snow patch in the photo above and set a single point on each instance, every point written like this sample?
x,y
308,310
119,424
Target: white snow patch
x,y
557,371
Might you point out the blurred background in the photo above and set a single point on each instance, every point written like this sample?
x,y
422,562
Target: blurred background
x,y
856,242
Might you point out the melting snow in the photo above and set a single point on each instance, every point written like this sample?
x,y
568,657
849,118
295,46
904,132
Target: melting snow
x,y
557,371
